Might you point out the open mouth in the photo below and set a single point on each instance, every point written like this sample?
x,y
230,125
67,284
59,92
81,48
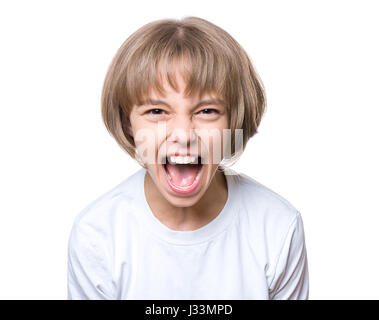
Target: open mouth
x,y
183,178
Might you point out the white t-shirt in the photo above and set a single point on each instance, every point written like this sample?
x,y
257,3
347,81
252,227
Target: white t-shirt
x,y
254,249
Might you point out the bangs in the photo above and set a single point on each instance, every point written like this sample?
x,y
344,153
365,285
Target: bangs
x,y
204,69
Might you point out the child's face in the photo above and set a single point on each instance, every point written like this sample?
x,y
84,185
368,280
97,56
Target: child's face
x,y
180,126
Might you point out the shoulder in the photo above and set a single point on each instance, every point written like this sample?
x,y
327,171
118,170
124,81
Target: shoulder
x,y
267,215
268,220
260,201
98,218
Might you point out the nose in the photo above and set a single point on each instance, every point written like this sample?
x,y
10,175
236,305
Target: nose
x,y
182,130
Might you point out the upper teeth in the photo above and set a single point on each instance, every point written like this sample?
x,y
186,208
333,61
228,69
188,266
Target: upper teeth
x,y
182,160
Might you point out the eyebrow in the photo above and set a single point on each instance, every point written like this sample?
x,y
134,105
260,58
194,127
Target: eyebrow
x,y
201,103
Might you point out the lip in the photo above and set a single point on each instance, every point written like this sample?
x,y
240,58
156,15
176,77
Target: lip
x,y
187,190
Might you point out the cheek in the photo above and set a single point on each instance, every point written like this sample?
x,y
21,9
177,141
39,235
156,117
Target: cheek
x,y
213,142
146,144
216,146
219,142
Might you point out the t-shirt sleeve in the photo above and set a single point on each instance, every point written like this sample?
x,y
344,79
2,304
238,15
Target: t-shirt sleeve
x,y
291,281
88,272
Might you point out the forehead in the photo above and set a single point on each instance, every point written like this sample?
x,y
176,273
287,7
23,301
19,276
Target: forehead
x,y
170,92
170,95
173,95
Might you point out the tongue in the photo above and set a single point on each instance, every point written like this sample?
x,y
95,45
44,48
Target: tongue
x,y
182,175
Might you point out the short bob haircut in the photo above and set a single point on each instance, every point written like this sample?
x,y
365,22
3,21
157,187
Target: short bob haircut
x,y
209,60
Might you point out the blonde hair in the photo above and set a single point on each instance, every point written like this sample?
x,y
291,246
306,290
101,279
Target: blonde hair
x,y
210,60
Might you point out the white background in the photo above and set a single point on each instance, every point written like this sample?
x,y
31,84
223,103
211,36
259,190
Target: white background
x,y
317,145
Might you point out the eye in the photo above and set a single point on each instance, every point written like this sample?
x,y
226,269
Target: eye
x,y
209,111
154,112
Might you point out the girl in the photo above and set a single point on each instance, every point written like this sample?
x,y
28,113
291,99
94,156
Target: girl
x,y
182,98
